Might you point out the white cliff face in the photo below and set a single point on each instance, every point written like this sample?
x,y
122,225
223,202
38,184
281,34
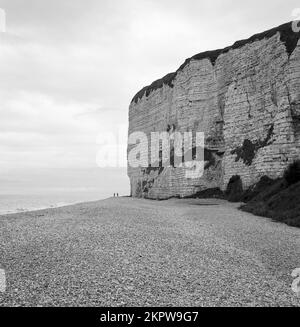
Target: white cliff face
x,y
247,102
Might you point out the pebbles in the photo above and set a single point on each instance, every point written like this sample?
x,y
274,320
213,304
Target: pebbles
x,y
130,252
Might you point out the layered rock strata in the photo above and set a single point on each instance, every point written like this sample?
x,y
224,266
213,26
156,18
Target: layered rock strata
x,y
246,100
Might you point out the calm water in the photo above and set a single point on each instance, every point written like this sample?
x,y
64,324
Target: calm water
x,y
44,188
23,202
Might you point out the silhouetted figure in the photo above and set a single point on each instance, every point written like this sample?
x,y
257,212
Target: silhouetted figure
x,y
117,194
114,195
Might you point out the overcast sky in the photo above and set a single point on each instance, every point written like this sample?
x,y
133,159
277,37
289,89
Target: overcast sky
x,y
69,68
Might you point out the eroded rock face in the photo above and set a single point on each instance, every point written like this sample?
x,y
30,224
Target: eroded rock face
x,y
245,98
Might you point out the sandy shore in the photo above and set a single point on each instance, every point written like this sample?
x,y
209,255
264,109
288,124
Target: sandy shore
x,y
130,252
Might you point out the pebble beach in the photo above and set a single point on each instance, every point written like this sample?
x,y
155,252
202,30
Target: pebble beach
x,y
136,252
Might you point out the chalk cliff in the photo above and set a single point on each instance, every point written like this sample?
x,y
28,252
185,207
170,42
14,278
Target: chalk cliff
x,y
245,98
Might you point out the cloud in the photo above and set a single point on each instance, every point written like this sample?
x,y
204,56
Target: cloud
x,y
69,69
49,133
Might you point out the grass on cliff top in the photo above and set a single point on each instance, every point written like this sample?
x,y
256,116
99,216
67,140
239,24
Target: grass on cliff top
x,y
287,36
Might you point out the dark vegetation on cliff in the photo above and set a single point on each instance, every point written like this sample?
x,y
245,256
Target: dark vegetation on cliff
x,y
287,36
166,80
277,199
208,194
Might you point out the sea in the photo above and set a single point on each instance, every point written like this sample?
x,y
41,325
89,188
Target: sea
x,y
51,188
16,203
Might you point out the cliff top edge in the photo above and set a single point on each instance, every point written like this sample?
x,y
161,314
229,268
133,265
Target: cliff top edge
x,y
287,36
